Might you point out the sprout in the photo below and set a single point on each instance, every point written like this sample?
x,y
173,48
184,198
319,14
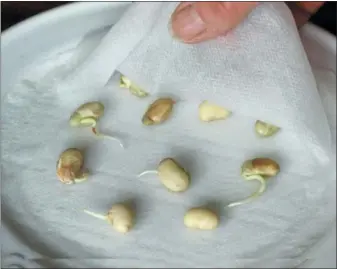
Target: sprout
x,y
258,169
211,112
171,175
69,167
120,216
158,112
88,115
264,129
201,218
124,82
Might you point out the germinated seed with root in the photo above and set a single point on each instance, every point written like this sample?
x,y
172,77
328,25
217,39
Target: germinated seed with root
x,y
120,216
211,112
264,129
158,112
172,175
201,218
265,167
88,115
124,82
259,169
69,167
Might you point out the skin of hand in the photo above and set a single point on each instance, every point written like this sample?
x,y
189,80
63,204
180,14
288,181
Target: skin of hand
x,y
194,22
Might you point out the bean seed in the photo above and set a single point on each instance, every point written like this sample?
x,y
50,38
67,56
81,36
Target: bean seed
x,y
201,218
158,112
120,216
211,112
69,167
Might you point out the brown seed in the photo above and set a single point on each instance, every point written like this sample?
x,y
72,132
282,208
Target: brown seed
x,y
69,167
258,169
158,112
260,166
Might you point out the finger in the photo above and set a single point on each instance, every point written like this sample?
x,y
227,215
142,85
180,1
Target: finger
x,y
201,21
302,11
182,6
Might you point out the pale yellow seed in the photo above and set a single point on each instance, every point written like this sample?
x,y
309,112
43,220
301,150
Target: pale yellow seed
x,y
121,217
211,112
201,218
264,129
173,176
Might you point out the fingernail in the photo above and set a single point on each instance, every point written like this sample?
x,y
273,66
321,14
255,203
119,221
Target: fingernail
x,y
187,23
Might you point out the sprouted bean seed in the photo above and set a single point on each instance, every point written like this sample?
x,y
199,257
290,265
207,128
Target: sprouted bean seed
x,y
259,169
88,115
69,167
211,112
172,175
120,216
124,82
158,112
201,218
264,129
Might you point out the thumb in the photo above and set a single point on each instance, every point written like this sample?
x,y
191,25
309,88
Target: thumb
x,y
199,21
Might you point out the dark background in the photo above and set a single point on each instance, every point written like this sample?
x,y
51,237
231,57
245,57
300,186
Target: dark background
x,y
14,12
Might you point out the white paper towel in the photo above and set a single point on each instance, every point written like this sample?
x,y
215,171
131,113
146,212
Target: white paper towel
x,y
274,231
259,71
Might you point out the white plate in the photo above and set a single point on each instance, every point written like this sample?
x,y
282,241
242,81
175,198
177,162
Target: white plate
x,y
24,42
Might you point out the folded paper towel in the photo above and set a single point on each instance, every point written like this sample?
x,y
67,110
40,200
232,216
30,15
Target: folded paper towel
x,y
259,71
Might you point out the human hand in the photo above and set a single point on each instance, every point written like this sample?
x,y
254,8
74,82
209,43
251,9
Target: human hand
x,y
194,22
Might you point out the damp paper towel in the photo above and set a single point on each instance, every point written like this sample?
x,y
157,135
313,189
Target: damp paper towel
x,y
259,71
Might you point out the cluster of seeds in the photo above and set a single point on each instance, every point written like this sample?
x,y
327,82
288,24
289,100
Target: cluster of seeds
x,y
172,175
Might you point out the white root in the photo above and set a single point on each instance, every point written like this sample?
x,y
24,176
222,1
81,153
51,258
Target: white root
x,y
99,134
147,172
95,215
255,195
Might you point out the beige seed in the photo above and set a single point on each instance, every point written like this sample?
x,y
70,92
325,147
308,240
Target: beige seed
x,y
211,112
201,218
120,216
173,176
